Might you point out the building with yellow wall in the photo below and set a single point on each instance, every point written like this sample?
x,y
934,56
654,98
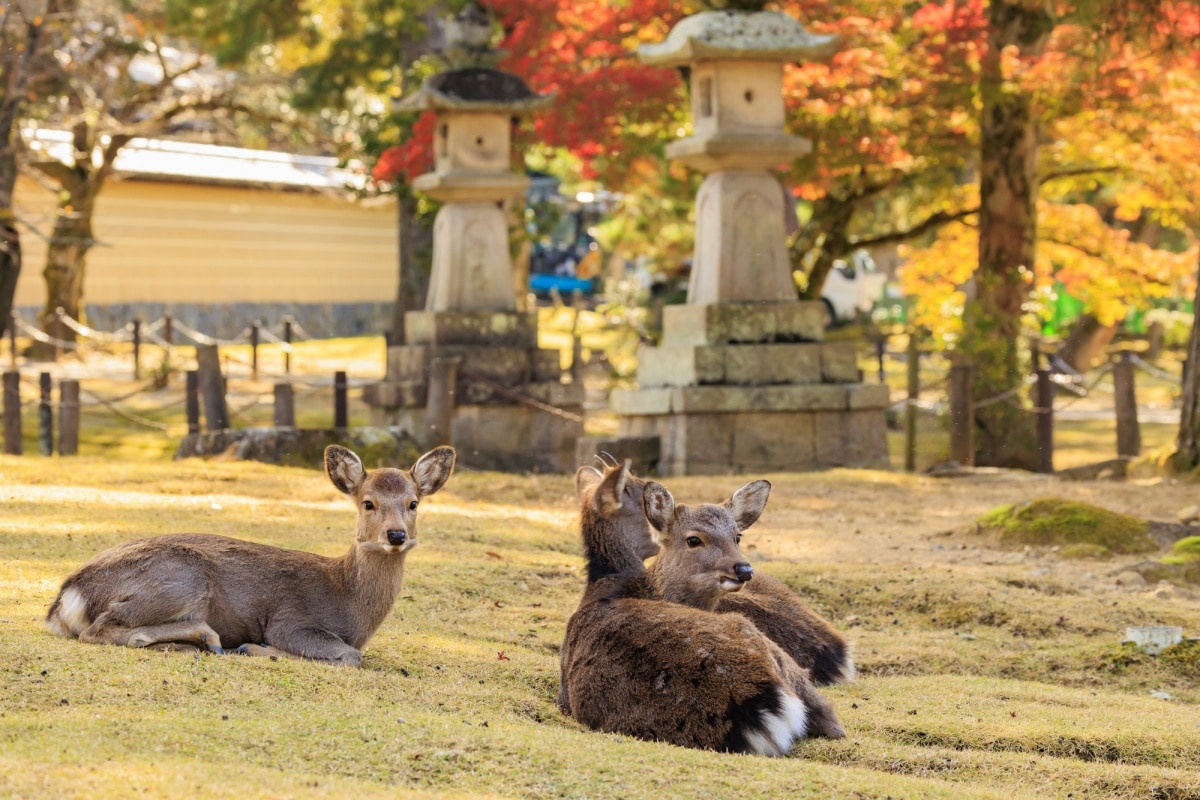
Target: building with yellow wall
x,y
220,236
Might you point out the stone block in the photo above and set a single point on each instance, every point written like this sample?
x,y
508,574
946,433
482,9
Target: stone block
x,y
638,402
643,453
472,328
743,323
395,394
729,399
839,363
868,396
514,438
407,362
547,365
679,366
765,364
769,442
853,439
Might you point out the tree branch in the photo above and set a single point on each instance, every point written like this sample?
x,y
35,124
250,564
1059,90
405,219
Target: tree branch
x,y
933,221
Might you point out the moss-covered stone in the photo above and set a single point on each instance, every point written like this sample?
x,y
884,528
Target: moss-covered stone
x,y
1184,551
1050,521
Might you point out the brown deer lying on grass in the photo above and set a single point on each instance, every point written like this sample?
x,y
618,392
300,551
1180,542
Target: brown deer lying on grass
x,y
213,592
636,664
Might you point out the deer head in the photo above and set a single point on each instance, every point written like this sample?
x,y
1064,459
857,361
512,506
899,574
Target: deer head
x,y
387,499
700,560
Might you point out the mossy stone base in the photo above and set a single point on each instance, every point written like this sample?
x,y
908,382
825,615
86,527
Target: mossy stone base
x,y
1081,528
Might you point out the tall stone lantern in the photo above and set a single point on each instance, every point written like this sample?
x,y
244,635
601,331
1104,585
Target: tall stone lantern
x,y
475,106
743,381
471,362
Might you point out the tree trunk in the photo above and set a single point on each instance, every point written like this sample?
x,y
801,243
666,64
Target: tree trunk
x,y
66,256
1086,341
10,238
1007,234
1187,452
416,257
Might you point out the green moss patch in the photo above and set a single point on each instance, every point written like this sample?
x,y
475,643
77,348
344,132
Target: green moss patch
x,y
1078,528
1185,551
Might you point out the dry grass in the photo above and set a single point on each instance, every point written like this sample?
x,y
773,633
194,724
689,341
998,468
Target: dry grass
x,y
979,680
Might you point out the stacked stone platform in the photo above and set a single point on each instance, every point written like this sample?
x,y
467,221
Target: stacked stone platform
x,y
752,387
513,409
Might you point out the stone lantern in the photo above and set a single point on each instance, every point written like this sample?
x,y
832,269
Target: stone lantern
x,y
471,361
736,61
743,381
475,106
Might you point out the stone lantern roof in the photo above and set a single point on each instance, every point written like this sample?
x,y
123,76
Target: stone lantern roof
x,y
737,36
480,89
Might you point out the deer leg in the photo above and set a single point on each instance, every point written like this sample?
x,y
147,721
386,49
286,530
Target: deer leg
x,y
194,632
310,644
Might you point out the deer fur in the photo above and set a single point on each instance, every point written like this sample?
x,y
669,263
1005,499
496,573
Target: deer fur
x,y
636,664
198,590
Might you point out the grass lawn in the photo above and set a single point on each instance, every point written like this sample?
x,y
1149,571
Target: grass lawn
x,y
977,680
984,672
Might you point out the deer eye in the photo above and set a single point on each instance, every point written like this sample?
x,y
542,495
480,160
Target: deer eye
x,y
412,506
368,505
738,538
693,541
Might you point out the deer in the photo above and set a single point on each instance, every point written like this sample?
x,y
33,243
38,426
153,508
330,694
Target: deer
x,y
763,599
203,592
635,663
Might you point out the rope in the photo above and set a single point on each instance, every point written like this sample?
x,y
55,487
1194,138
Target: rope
x,y
202,338
1152,370
529,401
124,334
139,420
44,338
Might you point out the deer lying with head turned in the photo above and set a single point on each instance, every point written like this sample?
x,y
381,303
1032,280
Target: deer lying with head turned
x,y
199,590
682,575
636,664
690,566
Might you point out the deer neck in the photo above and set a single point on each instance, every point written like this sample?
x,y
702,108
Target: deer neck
x,y
373,579
665,586
607,549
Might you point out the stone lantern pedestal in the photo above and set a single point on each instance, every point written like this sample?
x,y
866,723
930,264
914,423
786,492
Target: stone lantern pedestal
x,y
743,381
512,409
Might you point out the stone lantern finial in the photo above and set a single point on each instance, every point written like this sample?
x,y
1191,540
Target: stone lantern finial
x,y
468,38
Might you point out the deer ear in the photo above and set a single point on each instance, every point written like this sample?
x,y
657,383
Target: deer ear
x,y
344,469
659,505
748,502
585,479
612,487
433,469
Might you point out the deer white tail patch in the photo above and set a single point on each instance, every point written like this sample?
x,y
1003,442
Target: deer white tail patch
x,y
778,730
848,672
70,618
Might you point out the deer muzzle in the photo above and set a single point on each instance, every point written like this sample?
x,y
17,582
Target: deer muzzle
x,y
397,538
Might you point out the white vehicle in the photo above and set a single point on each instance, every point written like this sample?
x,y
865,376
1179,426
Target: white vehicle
x,y
852,286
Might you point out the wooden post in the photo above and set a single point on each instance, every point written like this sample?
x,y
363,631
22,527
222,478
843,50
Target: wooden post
x,y
285,406
880,354
192,399
1045,420
68,418
910,408
168,330
137,348
211,386
46,415
287,339
12,414
962,416
440,400
12,340
1154,341
1129,436
254,326
341,416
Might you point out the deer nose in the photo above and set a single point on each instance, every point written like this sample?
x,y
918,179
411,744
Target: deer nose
x,y
743,572
397,537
